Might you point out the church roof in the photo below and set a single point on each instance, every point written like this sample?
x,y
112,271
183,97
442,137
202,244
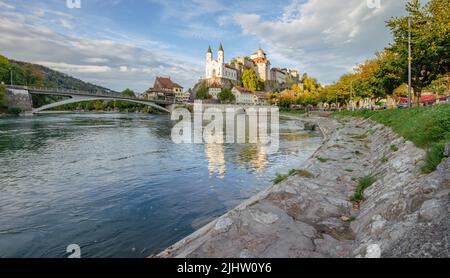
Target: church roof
x,y
259,50
221,47
259,60
209,49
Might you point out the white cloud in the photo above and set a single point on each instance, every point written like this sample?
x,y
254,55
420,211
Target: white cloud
x,y
323,37
99,60
7,6
71,68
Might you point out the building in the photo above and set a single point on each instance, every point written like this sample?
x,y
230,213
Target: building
x,y
248,97
217,68
278,75
282,76
229,75
214,92
262,64
165,88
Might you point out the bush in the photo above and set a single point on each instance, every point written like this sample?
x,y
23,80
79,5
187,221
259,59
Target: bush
x,y
14,111
3,99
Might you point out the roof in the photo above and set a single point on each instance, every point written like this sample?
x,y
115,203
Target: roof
x,y
259,50
279,70
221,47
230,67
250,92
165,83
259,60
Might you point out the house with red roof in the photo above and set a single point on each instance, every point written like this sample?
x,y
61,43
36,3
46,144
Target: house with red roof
x,y
165,88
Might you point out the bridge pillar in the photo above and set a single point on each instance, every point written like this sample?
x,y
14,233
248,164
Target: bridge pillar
x,y
19,100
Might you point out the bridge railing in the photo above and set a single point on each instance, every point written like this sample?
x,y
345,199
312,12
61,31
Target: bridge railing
x,y
70,92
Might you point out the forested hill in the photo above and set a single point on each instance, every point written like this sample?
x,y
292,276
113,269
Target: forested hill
x,y
27,74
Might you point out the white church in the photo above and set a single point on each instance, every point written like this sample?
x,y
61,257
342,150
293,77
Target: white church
x,y
218,68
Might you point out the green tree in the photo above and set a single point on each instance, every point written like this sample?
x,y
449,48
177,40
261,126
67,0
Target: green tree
x,y
226,96
128,93
98,105
430,36
251,81
203,92
3,99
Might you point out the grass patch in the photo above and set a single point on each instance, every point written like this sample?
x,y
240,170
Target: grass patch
x,y
323,160
360,136
384,159
304,173
293,112
427,127
357,152
349,170
363,184
394,148
434,157
282,177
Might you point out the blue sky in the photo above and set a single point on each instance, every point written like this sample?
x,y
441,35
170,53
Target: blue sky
x,y
126,43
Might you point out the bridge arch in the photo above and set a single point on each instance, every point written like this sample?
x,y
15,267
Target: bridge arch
x,y
76,99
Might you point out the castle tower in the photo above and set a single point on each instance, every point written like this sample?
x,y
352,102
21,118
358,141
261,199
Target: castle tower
x,y
221,57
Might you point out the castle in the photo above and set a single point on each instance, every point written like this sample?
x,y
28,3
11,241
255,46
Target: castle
x,y
219,74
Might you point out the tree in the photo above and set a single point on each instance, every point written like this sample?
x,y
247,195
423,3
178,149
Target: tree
x,y
430,37
98,105
251,81
226,96
128,93
203,92
287,98
3,99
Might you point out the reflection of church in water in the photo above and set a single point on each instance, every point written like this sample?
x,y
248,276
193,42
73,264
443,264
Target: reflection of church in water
x,y
215,154
255,156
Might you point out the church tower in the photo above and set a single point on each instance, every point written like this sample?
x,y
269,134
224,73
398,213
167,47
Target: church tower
x,y
221,57
209,56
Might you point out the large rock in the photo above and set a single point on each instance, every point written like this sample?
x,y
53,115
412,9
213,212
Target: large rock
x,y
430,210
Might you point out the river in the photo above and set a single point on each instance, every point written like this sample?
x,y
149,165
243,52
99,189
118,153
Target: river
x,y
117,186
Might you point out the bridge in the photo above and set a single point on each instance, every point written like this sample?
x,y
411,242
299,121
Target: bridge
x,y
75,96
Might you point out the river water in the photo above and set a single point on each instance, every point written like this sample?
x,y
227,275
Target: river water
x,y
116,185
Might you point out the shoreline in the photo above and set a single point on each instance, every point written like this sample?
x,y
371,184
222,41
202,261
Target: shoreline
x,y
311,215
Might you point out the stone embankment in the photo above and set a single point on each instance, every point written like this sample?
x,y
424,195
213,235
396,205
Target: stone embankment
x,y
404,213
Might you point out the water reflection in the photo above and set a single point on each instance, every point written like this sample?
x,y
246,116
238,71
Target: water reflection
x,y
215,154
254,156
118,186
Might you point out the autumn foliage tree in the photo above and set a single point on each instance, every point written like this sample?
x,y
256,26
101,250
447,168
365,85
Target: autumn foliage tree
x,y
251,81
430,36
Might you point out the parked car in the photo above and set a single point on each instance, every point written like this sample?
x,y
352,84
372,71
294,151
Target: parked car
x,y
402,105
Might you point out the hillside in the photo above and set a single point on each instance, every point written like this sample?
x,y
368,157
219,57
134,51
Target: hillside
x,y
28,74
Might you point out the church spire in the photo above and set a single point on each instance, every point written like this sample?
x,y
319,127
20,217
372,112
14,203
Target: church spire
x,y
221,47
209,49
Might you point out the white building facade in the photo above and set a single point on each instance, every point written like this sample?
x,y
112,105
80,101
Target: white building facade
x,y
218,68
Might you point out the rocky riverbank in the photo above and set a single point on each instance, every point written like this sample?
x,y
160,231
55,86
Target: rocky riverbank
x,y
404,213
